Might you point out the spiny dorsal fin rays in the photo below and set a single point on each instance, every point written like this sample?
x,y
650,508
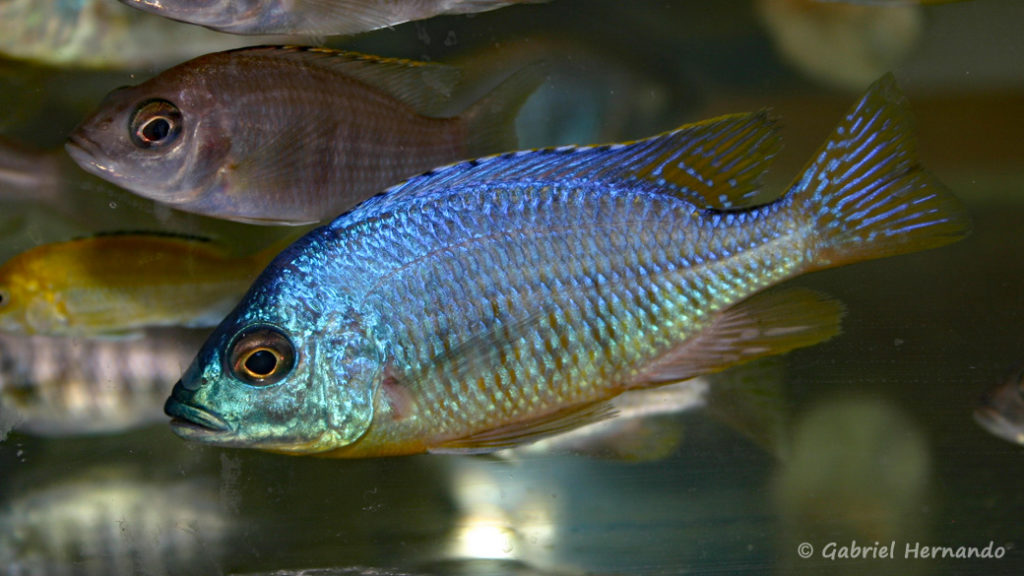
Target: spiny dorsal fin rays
x,y
715,164
718,163
425,86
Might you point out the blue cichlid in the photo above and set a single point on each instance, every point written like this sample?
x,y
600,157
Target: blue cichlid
x,y
497,301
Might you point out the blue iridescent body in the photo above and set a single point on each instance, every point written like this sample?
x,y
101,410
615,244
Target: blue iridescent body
x,y
496,301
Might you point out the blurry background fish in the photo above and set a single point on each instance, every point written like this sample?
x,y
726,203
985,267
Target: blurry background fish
x,y
290,135
842,44
310,17
859,470
65,385
101,34
114,521
1001,410
115,284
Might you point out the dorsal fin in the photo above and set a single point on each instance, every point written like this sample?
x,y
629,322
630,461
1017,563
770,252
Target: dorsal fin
x,y
425,86
715,164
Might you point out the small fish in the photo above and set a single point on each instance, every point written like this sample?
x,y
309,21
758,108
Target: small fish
x,y
69,385
288,135
100,34
118,283
310,17
497,301
1001,410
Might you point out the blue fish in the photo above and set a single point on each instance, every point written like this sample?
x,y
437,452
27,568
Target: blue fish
x,y
493,302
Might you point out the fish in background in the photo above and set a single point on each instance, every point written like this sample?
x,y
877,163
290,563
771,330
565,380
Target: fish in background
x,y
112,521
289,135
859,469
842,44
45,197
69,385
101,34
494,302
117,284
310,17
1001,410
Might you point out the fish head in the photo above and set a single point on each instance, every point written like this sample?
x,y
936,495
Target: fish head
x,y
280,378
227,15
161,139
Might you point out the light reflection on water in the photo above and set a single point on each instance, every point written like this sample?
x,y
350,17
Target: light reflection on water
x,y
879,442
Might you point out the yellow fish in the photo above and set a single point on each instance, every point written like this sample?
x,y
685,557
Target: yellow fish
x,y
119,283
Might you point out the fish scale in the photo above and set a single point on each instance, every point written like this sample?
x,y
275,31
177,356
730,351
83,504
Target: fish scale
x,y
569,282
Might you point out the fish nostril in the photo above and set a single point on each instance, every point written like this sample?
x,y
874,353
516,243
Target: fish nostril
x,y
191,384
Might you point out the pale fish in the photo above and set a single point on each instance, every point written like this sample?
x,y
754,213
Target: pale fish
x,y
116,284
71,385
288,135
310,17
497,301
101,34
1001,410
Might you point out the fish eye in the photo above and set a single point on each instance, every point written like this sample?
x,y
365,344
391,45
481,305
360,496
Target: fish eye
x,y
261,356
4,298
156,123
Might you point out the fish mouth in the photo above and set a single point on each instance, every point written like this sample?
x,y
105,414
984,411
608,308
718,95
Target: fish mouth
x,y
192,423
85,153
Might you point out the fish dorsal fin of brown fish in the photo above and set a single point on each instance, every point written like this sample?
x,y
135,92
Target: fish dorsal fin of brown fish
x,y
425,86
526,431
716,164
765,324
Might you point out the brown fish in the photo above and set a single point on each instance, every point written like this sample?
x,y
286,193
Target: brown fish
x,y
288,135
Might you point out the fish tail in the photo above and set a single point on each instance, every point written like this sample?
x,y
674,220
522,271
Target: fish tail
x,y
491,121
866,192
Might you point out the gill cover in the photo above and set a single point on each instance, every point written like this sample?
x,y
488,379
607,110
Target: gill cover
x,y
350,371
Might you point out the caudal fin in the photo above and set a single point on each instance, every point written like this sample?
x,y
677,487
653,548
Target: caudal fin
x,y
867,193
491,121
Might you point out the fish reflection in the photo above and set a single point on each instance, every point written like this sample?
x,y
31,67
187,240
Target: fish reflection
x,y
65,385
288,135
858,469
494,302
118,283
100,34
311,17
1001,410
452,567
112,522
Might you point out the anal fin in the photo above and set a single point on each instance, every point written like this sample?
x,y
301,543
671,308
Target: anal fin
x,y
765,324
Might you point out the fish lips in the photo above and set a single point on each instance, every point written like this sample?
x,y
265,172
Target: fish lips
x,y
86,153
193,423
